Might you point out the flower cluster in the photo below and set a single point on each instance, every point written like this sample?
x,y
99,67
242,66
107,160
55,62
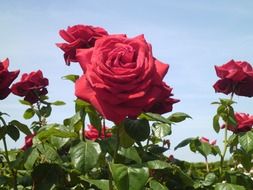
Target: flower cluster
x,y
121,76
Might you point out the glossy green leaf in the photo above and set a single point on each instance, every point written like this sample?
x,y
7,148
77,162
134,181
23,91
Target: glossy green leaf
x,y
84,155
216,124
130,153
72,78
22,127
102,184
210,179
45,111
55,131
31,158
24,102
138,129
29,113
178,117
58,103
127,178
155,185
3,131
246,141
157,164
125,140
161,130
13,132
184,143
154,117
228,186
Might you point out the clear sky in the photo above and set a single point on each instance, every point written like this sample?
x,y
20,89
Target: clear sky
x,y
191,36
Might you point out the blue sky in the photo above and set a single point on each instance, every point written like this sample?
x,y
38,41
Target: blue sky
x,y
191,36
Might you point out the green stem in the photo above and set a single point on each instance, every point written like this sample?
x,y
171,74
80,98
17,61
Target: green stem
x,y
225,141
83,138
117,143
207,165
38,114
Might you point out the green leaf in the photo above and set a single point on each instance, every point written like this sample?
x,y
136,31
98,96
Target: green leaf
x,y
203,148
31,157
161,130
22,127
216,124
53,131
228,186
29,113
184,143
125,140
72,78
154,117
45,111
127,178
130,153
24,102
84,155
178,117
13,132
58,103
246,141
138,129
102,184
94,117
3,131
155,185
48,152
210,179
157,164
46,176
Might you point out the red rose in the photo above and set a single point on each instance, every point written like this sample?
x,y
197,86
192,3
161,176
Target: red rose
x,y
6,78
244,123
236,77
93,133
78,36
28,142
31,86
206,140
123,78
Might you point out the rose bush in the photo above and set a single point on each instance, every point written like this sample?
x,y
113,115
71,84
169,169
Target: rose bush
x,y
236,77
31,86
123,82
6,78
123,79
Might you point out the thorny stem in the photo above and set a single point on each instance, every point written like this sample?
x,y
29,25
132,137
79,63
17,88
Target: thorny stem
x,y
14,173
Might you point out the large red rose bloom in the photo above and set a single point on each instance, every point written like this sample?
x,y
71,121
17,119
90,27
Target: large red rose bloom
x,y
122,78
